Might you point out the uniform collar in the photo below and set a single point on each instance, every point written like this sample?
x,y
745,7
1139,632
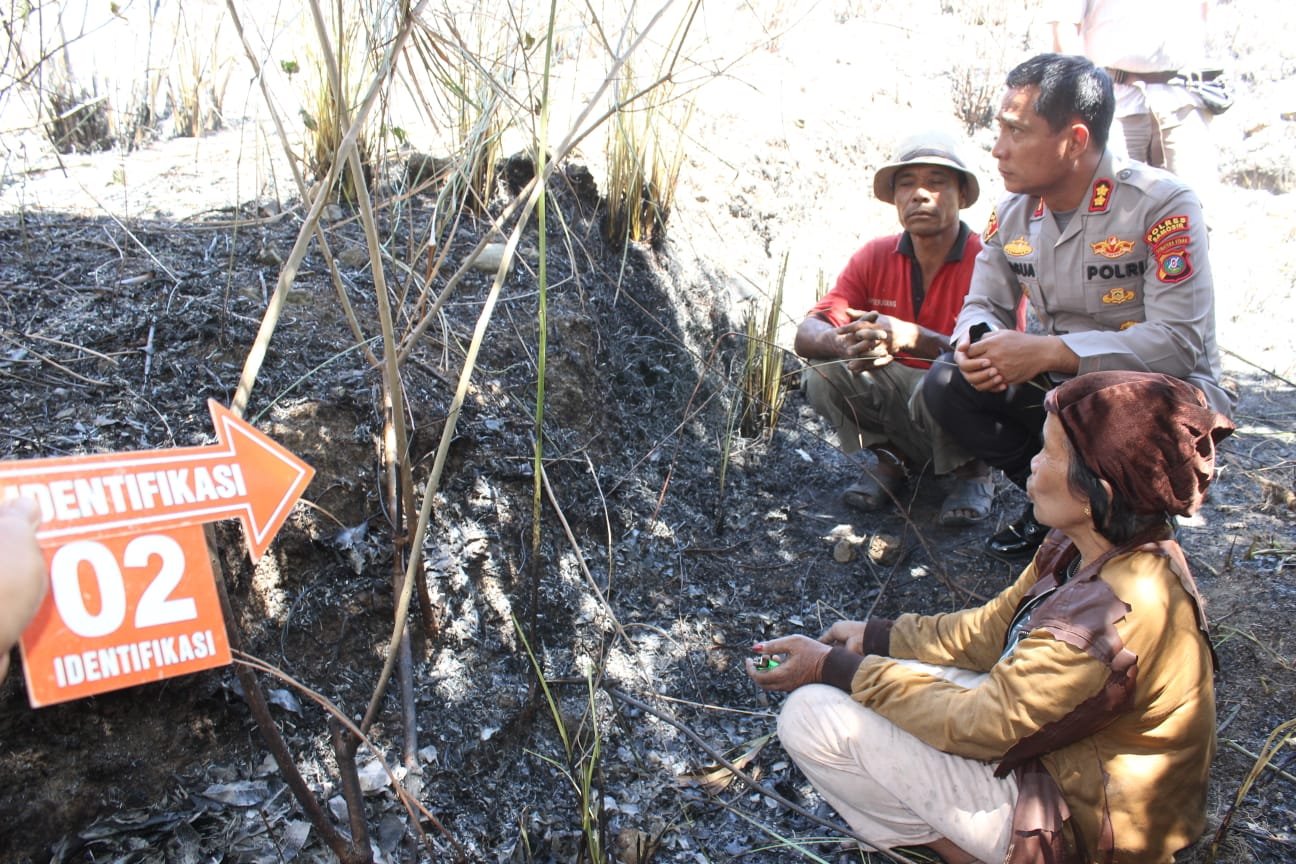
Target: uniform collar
x,y
1102,185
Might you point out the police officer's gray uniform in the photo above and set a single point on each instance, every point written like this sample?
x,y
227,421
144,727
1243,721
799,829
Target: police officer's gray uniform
x,y
1126,284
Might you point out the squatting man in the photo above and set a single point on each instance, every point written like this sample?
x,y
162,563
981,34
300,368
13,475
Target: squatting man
x,y
891,312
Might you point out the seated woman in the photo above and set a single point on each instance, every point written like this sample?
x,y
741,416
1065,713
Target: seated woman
x,y
1072,717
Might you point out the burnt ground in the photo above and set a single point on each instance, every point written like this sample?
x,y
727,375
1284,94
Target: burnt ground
x,y
117,332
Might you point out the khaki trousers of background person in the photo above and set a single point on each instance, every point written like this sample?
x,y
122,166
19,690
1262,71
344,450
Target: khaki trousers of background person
x,y
881,406
891,788
1174,135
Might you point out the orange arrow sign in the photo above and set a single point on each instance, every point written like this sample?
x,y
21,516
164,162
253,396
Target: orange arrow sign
x,y
245,474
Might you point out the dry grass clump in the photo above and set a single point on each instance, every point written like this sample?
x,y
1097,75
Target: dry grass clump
x,y
985,57
78,121
100,78
645,137
761,389
644,152
338,66
460,81
36,76
196,85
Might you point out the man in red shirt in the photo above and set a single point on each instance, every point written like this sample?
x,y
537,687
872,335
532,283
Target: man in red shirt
x,y
872,337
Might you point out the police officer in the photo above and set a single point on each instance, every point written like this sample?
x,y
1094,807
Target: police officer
x,y
1112,257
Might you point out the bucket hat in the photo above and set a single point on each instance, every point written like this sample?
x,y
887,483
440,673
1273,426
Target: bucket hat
x,y
929,147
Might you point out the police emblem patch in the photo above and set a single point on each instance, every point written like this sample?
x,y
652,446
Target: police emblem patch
x,y
1174,267
1112,247
1116,296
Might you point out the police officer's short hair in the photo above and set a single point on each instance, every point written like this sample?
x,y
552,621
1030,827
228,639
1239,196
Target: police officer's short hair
x,y
1069,86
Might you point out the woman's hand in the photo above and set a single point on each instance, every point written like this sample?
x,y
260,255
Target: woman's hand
x,y
800,660
845,634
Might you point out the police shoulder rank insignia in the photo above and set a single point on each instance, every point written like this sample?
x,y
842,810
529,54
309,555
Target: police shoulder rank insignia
x,y
1112,247
1116,296
1100,198
1018,246
992,226
1173,265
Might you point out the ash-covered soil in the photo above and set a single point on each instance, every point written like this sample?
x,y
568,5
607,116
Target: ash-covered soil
x,y
668,545
117,335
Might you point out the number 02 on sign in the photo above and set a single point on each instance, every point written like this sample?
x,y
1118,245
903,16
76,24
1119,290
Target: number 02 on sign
x,y
132,596
121,611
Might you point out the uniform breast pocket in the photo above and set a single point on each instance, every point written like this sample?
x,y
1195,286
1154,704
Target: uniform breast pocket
x,y
1114,292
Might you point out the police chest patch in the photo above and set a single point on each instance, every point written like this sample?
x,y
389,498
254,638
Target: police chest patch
x,y
1107,272
1018,246
1112,247
1117,296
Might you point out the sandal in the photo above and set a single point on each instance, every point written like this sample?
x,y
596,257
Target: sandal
x,y
973,495
874,492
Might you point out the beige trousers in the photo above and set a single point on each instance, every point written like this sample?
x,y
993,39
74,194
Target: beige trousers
x,y
891,788
1175,135
881,406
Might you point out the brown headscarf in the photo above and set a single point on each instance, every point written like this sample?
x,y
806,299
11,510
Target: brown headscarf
x,y
1149,435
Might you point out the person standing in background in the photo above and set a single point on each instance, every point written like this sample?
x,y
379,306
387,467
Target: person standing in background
x,y
1150,50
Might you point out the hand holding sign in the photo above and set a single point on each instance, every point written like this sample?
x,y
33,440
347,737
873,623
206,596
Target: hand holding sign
x,y
22,574
132,597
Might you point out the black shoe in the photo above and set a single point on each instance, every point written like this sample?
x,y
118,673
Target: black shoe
x,y
1019,540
